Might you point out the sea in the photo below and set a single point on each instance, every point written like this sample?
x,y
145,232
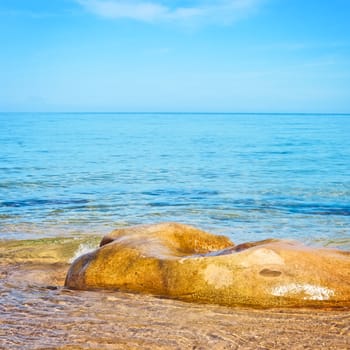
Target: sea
x,y
66,179
249,176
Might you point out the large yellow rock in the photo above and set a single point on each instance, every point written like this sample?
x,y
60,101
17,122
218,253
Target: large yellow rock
x,y
179,261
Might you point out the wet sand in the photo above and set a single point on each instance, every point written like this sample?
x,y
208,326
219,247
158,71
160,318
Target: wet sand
x,y
36,312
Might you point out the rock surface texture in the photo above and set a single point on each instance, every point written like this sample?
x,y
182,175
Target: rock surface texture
x,y
179,261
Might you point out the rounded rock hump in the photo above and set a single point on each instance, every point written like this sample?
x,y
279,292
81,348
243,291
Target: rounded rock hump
x,y
177,239
182,262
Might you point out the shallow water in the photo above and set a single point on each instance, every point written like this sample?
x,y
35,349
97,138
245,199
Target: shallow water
x,y
40,315
67,179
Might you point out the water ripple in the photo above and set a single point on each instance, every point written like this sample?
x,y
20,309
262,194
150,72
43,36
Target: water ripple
x,y
252,176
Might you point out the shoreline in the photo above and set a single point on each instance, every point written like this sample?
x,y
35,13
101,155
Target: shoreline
x,y
37,312
57,318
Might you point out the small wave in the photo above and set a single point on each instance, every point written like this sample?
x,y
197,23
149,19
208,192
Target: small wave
x,y
297,207
41,202
317,209
181,192
83,248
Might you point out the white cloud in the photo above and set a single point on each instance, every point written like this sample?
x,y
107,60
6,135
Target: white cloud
x,y
144,11
219,11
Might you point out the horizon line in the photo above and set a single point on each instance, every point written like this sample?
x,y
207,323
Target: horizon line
x,y
174,113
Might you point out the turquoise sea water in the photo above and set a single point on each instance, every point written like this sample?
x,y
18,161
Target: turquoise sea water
x,y
248,176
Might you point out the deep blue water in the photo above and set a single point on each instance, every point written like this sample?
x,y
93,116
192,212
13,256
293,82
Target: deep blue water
x,y
247,176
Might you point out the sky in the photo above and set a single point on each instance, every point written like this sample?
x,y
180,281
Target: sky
x,y
280,56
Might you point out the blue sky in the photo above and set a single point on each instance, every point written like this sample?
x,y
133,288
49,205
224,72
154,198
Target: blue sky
x,y
190,55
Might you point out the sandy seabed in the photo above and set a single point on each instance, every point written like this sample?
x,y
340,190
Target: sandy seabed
x,y
36,312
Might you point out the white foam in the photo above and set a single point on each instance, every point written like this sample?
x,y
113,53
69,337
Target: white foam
x,y
83,248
